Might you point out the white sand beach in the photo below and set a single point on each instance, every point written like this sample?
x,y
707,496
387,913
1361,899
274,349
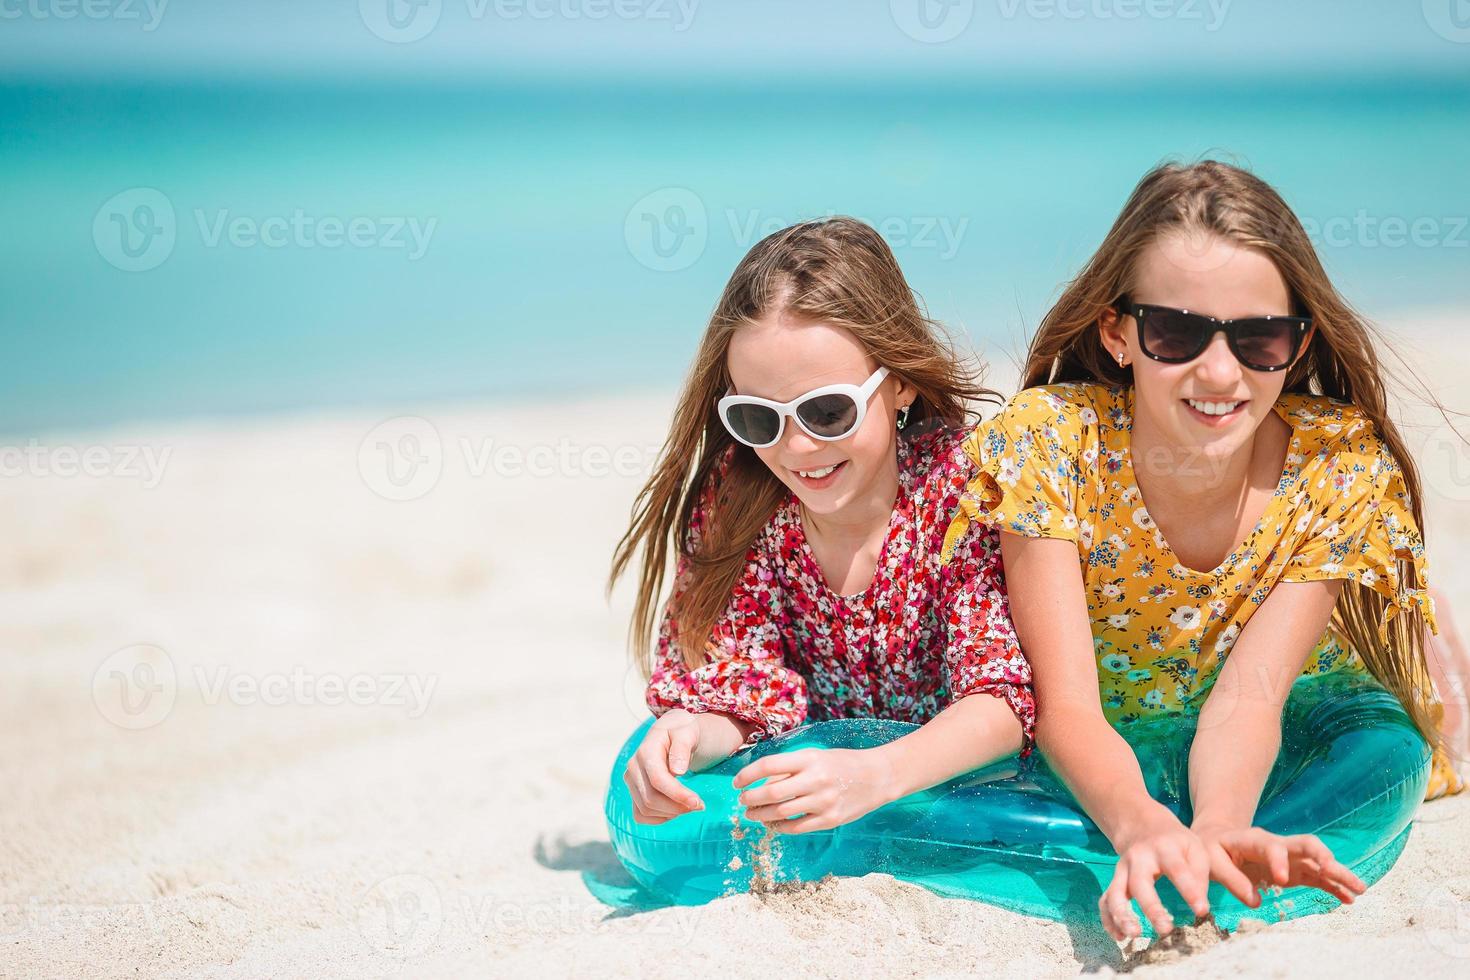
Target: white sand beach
x,y
262,720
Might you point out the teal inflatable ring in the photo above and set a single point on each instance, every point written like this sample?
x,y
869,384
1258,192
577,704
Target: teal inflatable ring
x,y
1352,770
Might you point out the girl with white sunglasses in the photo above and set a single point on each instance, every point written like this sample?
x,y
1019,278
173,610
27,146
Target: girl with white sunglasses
x,y
811,471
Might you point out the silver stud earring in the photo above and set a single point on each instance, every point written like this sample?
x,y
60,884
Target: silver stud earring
x,y
903,416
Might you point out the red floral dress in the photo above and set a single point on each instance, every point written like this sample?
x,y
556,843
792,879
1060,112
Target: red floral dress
x,y
788,650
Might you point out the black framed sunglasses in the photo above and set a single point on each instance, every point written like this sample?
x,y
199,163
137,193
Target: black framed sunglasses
x,y
1261,343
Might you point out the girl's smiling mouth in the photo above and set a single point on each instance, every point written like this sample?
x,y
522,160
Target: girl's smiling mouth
x,y
1215,413
820,477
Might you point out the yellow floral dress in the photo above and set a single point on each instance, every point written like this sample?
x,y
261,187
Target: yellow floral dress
x,y
1055,463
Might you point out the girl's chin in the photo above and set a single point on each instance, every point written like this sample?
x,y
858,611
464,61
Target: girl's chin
x,y
821,502
1205,452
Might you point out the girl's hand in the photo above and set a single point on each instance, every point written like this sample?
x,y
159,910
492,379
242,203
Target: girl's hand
x,y
666,752
1242,858
1158,846
830,787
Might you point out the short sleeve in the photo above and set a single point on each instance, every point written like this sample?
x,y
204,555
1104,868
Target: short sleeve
x,y
1028,468
745,673
1360,529
982,653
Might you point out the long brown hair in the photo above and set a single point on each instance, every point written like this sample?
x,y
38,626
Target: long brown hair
x,y
1341,361
837,271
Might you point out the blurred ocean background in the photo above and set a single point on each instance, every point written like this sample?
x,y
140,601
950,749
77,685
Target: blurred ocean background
x,y
273,207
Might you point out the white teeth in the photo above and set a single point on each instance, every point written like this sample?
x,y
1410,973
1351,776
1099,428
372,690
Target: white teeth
x,y
818,474
1213,408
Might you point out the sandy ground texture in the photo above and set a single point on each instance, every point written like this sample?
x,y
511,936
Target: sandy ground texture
x,y
338,696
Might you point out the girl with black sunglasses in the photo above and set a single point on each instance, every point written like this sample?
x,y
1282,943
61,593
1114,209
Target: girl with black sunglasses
x,y
1202,497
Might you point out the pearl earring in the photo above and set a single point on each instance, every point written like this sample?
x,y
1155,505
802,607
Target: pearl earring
x,y
903,417
1121,362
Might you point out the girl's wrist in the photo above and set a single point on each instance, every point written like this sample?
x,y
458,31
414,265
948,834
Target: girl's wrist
x,y
1139,818
887,765
1216,823
721,735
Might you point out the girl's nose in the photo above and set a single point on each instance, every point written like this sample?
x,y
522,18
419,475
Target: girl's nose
x,y
1216,365
797,441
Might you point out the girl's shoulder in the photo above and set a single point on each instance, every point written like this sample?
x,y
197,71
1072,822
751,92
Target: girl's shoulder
x,y
933,456
1067,419
1340,453
1076,399
1069,406
1326,429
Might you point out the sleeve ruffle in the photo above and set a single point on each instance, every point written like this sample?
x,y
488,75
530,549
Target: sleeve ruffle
x,y
763,692
1364,533
1028,472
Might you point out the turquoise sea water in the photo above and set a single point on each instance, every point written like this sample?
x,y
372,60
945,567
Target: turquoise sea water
x,y
171,251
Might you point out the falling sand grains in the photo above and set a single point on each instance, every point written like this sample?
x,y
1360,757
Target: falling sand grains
x,y
764,857
765,862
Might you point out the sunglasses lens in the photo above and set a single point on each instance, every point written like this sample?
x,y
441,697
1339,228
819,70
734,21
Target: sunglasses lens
x,y
830,416
753,424
1265,343
1173,335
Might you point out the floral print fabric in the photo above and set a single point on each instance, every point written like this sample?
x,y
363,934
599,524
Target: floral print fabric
x,y
789,650
1055,463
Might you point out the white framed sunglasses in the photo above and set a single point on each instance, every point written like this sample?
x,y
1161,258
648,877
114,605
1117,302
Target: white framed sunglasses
x,y
829,413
